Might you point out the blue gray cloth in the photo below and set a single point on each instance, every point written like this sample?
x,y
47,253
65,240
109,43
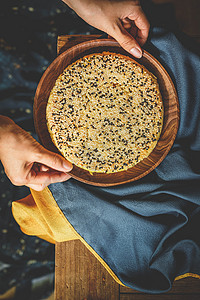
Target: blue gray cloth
x,y
148,231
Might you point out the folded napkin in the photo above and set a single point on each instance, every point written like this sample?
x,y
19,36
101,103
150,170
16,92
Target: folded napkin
x,y
146,232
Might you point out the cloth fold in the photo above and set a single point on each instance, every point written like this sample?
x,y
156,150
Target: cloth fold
x,y
146,231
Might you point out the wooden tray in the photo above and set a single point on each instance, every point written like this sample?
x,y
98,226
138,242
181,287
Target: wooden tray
x,y
171,111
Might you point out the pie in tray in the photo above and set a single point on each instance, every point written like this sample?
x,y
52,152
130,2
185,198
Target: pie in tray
x,y
105,113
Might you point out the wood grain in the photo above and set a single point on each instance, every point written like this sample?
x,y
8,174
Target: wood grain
x,y
171,111
79,275
188,285
65,42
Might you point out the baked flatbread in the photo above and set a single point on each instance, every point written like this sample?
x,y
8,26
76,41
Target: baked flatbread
x,y
105,113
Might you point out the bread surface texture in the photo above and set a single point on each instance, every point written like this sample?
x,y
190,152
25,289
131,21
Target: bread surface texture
x,y
105,112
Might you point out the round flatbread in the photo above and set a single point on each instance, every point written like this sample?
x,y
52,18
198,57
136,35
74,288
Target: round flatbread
x,y
105,112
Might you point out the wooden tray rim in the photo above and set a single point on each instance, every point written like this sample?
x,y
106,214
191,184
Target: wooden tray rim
x,y
146,55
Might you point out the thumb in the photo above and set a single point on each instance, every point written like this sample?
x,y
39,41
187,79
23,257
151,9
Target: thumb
x,y
126,40
54,161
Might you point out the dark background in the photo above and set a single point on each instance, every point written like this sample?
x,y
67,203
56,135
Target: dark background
x,y
28,37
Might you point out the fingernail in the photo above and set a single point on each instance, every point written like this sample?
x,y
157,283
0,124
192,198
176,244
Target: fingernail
x,y
136,52
67,166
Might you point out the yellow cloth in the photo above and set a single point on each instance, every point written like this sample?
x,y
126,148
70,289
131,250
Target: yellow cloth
x,y
38,214
10,294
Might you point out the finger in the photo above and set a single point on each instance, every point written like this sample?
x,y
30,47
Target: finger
x,y
125,39
41,186
44,168
127,23
53,160
36,167
46,178
36,187
142,23
133,31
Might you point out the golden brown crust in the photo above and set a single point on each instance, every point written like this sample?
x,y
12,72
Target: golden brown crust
x,y
105,112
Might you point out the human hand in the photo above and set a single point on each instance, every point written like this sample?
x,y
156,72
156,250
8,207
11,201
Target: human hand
x,y
26,162
124,20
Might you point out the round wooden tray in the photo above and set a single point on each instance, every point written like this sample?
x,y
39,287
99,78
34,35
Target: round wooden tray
x,y
171,111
